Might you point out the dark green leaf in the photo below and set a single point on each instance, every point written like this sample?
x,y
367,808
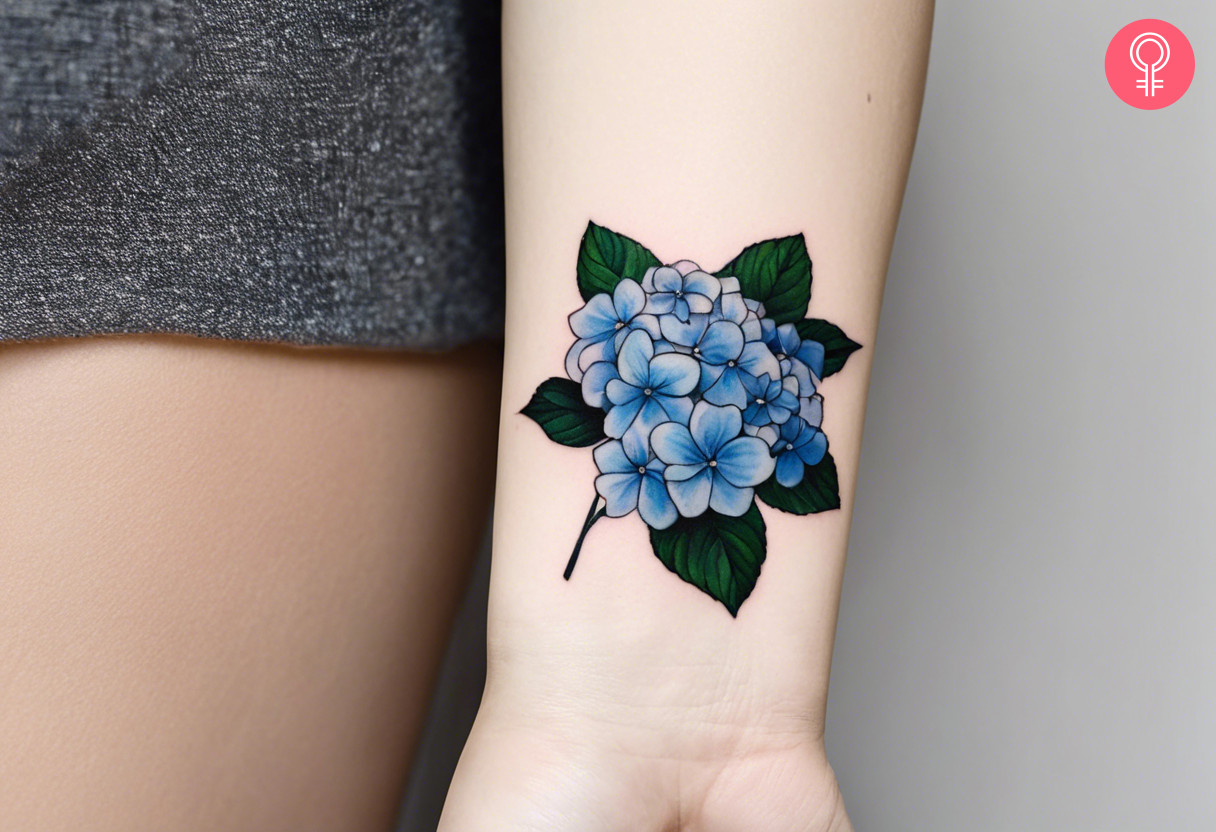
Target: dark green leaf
x,y
605,258
777,273
719,555
818,491
558,407
838,346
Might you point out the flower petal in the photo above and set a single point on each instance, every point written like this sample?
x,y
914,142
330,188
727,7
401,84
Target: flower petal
x,y
758,360
712,427
597,377
596,318
572,356
678,408
789,469
728,389
633,363
637,449
610,458
685,266
722,342
812,410
726,499
621,417
691,496
679,473
685,333
649,417
618,392
812,452
674,374
702,283
620,492
660,303
698,304
745,461
628,298
647,323
673,443
655,505
648,279
811,353
667,279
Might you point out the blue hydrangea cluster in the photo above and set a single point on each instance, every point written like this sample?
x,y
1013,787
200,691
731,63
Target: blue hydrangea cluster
x,y
704,397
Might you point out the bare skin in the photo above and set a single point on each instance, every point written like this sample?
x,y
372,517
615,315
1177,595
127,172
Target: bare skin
x,y
625,699
226,575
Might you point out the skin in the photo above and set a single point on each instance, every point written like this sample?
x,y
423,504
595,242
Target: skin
x,y
226,576
625,699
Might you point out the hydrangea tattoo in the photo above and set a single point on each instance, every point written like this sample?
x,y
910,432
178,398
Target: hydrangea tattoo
x,y
700,394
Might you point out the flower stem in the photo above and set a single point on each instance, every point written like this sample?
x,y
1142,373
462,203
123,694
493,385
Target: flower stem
x,y
592,516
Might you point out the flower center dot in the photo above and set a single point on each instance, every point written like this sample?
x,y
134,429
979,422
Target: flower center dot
x,y
618,325
696,350
713,463
759,401
647,391
780,356
641,469
679,294
789,446
730,363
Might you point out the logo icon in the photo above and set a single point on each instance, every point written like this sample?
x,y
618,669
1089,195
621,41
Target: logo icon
x,y
1150,64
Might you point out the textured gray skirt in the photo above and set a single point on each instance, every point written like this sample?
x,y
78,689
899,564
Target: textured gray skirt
x,y
304,172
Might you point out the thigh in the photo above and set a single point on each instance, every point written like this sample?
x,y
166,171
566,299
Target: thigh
x,y
226,572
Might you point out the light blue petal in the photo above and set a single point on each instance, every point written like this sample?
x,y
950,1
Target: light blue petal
x,y
722,342
757,388
667,279
633,362
628,299
621,417
795,369
698,304
655,505
756,415
596,318
597,350
572,355
647,323
680,309
610,458
637,449
751,327
674,374
649,417
758,360
812,411
702,283
732,306
727,390
679,473
678,408
745,461
673,443
648,279
811,353
685,333
660,303
812,452
788,339
789,469
620,492
618,392
597,377
691,496
726,499
712,427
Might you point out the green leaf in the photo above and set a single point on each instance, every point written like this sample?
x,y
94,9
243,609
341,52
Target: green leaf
x,y
838,346
777,273
719,555
605,258
558,407
818,491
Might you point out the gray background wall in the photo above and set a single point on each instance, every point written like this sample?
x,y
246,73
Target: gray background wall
x,y
1028,630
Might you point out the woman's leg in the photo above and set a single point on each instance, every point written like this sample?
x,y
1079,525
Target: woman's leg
x,y
226,574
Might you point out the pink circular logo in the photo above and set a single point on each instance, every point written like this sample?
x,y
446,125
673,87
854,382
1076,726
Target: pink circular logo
x,y
1150,64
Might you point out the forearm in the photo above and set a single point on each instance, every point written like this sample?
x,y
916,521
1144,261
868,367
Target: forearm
x,y
697,130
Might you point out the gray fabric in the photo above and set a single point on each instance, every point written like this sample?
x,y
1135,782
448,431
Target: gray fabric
x,y
308,172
